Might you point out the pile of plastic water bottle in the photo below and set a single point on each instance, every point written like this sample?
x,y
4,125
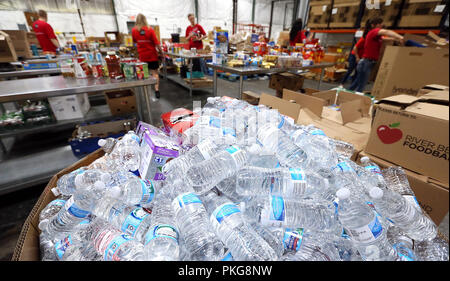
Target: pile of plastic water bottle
x,y
250,185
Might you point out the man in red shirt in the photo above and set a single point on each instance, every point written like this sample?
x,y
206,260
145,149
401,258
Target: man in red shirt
x,y
371,54
195,34
45,34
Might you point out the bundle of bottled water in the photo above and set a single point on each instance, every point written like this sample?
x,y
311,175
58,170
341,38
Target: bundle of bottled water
x,y
249,185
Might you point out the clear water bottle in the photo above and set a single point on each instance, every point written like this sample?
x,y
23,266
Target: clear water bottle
x,y
162,239
343,148
347,251
107,144
264,160
227,187
346,176
128,157
227,256
177,168
135,191
402,244
46,248
192,220
364,228
132,220
236,234
270,237
286,182
88,179
50,211
209,173
403,215
277,211
374,175
66,183
289,154
76,246
114,245
397,181
432,250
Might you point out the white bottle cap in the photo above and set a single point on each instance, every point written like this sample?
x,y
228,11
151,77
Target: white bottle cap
x,y
211,99
114,192
376,193
343,193
365,160
99,185
106,178
55,191
43,224
101,142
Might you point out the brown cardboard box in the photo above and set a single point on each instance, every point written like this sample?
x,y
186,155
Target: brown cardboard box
x,y
286,80
19,39
413,132
404,70
251,97
32,39
27,247
430,40
283,106
431,195
333,57
7,51
420,13
430,88
121,102
283,38
344,13
319,14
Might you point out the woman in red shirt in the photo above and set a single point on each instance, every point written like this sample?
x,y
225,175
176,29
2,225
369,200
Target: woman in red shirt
x,y
297,35
148,47
195,34
371,54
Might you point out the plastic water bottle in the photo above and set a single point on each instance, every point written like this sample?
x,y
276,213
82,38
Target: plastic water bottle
x,y
227,256
402,214
131,220
270,237
227,187
289,154
277,211
264,160
107,144
46,248
114,245
364,228
346,176
375,177
76,246
66,183
87,179
177,168
192,220
224,164
402,244
128,157
343,148
50,211
397,181
162,239
135,191
236,234
286,182
432,250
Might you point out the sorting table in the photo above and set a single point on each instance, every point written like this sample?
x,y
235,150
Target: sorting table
x,y
251,70
32,72
176,78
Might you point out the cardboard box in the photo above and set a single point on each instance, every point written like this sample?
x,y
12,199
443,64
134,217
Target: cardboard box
x,y
177,121
430,40
32,39
286,80
283,38
121,102
19,39
432,87
413,132
333,57
70,107
344,13
7,51
251,97
432,195
421,13
319,14
404,70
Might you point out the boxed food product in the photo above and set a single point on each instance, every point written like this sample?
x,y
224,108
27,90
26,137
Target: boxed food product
x,y
70,107
177,121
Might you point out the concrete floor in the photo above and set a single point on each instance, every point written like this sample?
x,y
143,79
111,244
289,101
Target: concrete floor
x,y
15,207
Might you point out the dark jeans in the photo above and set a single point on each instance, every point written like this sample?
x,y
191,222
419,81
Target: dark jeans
x,y
351,67
363,70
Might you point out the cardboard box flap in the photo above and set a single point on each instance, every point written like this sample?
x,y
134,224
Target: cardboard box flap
x,y
399,100
344,96
283,106
315,105
436,87
438,111
328,96
437,97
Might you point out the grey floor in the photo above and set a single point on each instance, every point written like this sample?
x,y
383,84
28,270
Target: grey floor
x,y
15,207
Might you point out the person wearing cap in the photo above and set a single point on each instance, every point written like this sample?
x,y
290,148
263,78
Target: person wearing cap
x,y
45,34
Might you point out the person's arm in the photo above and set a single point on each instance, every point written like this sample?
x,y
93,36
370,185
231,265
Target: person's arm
x,y
203,33
355,50
391,34
188,34
157,44
51,35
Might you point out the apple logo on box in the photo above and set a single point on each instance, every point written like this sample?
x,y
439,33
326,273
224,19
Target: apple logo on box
x,y
389,134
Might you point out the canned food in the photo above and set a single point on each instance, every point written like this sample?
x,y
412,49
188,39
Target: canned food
x,y
141,70
128,70
97,70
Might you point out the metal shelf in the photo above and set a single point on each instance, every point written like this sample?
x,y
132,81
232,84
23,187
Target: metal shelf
x,y
177,79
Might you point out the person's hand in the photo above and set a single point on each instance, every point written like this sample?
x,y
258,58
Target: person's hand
x,y
357,60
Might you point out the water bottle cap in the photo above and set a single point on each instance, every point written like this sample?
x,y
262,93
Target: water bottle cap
x,y
376,193
211,99
79,180
105,178
343,193
101,142
365,159
114,191
99,185
55,191
43,224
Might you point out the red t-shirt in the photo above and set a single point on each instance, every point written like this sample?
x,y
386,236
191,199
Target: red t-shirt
x,y
198,29
299,38
44,32
372,46
360,47
146,41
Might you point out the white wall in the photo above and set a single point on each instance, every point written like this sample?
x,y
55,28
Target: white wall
x,y
10,19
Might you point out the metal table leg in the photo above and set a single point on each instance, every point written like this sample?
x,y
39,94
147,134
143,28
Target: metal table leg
x,y
3,147
165,68
241,85
148,104
215,83
191,65
321,77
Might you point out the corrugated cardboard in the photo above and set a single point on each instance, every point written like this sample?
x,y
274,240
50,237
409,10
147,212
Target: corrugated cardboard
x,y
70,107
431,195
286,80
404,70
432,87
19,39
283,106
7,51
413,132
121,102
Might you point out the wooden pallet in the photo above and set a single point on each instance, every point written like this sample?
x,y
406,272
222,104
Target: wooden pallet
x,y
199,82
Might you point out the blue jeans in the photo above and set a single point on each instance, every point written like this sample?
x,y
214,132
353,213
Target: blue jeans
x,y
351,67
363,70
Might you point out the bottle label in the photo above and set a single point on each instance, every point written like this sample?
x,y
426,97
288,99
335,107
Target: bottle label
x,y
224,211
133,220
235,153
214,122
229,131
58,203
373,169
293,238
228,257
148,191
275,214
403,252
344,167
74,210
62,245
162,230
114,245
188,198
297,180
367,233
317,132
280,125
205,148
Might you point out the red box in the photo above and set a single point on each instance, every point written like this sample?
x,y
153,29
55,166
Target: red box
x,y
178,121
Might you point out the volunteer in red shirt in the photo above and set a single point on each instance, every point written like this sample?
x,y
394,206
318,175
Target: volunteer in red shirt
x,y
195,34
372,47
356,54
148,47
297,34
45,34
